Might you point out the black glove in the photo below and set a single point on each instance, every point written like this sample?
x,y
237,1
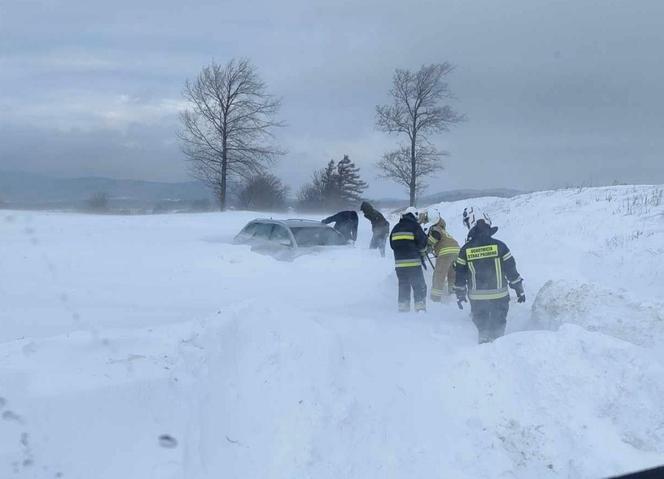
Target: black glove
x,y
520,293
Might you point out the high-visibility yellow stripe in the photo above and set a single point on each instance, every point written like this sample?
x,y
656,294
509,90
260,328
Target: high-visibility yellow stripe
x,y
499,274
461,261
471,266
432,240
507,256
403,236
482,295
407,263
448,250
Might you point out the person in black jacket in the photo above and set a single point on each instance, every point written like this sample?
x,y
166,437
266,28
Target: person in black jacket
x,y
345,222
409,243
379,227
484,269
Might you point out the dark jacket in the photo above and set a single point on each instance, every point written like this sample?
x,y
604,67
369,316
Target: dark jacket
x,y
409,242
376,218
485,266
345,222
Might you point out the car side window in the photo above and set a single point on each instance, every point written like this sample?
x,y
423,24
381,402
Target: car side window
x,y
263,230
248,230
279,234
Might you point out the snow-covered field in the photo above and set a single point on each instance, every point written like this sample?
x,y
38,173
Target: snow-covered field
x,y
150,347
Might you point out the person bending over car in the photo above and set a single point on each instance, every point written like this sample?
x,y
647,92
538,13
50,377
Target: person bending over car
x,y
345,222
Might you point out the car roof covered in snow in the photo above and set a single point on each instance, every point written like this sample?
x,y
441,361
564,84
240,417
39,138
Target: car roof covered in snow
x,y
295,222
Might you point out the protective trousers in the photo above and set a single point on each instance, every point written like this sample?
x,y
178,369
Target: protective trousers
x,y
379,238
442,273
490,318
412,278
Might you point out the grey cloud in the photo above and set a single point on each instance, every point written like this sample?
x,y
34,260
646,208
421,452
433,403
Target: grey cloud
x,y
140,151
556,92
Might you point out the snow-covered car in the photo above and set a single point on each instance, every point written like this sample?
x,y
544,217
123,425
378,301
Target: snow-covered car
x,y
286,239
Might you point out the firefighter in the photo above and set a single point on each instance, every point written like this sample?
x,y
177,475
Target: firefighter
x,y
345,222
484,269
446,249
409,243
379,227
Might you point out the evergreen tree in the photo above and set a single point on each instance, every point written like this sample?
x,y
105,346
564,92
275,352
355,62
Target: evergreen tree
x,y
323,191
330,186
351,185
334,187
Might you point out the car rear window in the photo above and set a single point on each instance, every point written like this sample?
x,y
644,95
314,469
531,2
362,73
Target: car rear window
x,y
317,236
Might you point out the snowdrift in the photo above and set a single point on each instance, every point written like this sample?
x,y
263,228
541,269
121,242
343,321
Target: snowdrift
x,y
315,402
152,347
608,311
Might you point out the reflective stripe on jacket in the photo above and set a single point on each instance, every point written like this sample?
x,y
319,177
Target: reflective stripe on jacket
x,y
409,242
441,241
485,266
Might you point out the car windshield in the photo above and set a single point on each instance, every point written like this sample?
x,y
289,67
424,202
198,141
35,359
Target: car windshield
x,y
317,236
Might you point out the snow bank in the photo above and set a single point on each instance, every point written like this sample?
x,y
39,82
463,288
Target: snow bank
x,y
318,402
611,312
142,347
610,238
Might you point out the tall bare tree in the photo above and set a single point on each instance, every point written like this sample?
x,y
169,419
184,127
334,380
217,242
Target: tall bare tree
x,y
227,128
417,112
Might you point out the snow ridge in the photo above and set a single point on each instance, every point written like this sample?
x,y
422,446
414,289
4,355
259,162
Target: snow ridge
x,y
253,367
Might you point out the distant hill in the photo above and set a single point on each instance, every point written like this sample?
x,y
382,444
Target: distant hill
x,y
28,190
456,195
451,195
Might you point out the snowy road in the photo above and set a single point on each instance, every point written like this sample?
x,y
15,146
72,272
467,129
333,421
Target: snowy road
x,y
117,330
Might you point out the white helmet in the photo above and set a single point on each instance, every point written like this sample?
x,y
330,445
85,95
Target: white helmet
x,y
472,215
433,215
410,210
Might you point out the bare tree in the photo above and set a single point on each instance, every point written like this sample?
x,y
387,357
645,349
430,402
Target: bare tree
x,y
227,128
417,112
397,165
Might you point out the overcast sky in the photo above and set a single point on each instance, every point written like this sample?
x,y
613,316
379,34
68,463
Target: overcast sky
x,y
556,92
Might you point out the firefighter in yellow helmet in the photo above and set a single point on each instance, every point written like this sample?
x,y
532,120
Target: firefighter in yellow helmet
x,y
446,249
